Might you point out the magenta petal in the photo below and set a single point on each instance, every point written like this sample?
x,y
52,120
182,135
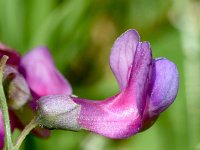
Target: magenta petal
x,y
42,75
164,84
14,57
122,56
1,131
120,116
105,118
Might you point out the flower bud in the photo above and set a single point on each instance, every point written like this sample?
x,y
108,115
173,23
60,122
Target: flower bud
x,y
58,112
16,88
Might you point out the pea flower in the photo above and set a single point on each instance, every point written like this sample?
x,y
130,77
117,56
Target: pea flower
x,y
147,88
26,79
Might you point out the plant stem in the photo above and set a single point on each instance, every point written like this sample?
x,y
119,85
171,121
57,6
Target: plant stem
x,y
25,132
188,24
4,106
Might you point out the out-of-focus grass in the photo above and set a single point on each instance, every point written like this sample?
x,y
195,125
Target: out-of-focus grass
x,y
80,34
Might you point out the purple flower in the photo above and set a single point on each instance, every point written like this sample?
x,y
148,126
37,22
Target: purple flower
x,y
35,72
147,88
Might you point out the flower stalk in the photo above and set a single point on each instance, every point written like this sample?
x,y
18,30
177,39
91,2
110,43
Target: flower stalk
x,y
25,132
4,106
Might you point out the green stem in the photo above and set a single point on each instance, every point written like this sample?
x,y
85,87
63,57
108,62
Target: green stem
x,y
4,106
25,132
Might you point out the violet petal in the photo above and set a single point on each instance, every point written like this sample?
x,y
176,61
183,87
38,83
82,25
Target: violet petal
x,y
41,74
141,74
164,85
122,56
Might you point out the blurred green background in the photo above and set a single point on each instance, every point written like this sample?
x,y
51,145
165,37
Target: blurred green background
x,y
80,34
